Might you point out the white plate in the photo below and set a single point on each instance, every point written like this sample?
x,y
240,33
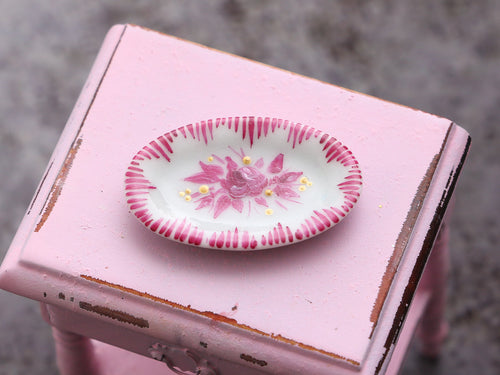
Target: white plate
x,y
242,183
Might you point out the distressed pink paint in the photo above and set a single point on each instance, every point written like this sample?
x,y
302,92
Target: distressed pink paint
x,y
78,239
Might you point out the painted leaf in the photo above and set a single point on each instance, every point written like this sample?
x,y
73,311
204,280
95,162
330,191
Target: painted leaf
x,y
221,205
290,177
237,205
276,165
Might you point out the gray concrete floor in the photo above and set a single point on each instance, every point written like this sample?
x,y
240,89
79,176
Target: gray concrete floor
x,y
439,56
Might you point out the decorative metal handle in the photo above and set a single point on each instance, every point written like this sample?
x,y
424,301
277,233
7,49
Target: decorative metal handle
x,y
181,361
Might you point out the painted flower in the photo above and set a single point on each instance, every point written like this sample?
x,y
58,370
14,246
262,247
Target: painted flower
x,y
226,183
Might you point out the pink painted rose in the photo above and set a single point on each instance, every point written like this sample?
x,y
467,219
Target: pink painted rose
x,y
244,182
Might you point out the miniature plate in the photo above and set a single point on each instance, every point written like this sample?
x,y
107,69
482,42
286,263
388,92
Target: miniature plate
x,y
242,183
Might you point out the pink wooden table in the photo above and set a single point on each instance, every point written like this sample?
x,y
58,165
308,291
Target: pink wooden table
x,y
343,302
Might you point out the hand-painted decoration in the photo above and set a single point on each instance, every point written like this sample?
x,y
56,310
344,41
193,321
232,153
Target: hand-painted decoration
x,y
242,183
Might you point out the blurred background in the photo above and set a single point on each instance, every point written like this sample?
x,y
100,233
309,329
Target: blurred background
x,y
441,57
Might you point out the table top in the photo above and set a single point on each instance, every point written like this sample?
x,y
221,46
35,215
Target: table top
x,y
336,294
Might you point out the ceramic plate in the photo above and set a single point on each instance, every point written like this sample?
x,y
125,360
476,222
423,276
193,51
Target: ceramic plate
x,y
242,183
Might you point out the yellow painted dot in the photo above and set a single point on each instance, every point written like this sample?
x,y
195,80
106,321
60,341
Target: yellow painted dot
x,y
303,180
268,192
247,160
204,189
379,206
188,191
302,188
309,183
187,198
181,193
269,211
210,159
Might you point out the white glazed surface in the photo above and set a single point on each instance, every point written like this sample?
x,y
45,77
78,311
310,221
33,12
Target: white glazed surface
x,y
242,183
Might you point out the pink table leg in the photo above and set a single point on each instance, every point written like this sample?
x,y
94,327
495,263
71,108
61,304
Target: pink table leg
x,y
433,327
74,354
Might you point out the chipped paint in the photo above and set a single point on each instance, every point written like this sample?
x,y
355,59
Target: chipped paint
x,y
253,360
422,259
114,314
218,318
57,187
61,296
404,235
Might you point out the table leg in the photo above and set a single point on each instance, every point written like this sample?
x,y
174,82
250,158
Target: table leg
x,y
433,327
74,353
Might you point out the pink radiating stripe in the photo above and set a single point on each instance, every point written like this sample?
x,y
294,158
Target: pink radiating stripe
x,y
266,125
253,243
220,240
323,139
323,219
259,127
169,138
263,240
179,229
299,235
353,193
352,199
350,162
345,153
245,240
302,133
171,229
185,233
136,181
235,238
331,215
191,130
136,200
134,163
156,224
305,229
212,240
144,154
141,213
146,223
311,227
204,132
345,208
133,193
157,147
353,176
334,149
192,236
285,124
244,126
197,126
296,129
319,224
210,129
236,123
350,183
218,121
152,152
251,127
164,227
290,133
276,235
133,174
339,151
282,233
137,205
274,123
290,234
270,238
309,133
164,141
346,156
182,130
229,122
349,204
138,187
199,238
228,239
